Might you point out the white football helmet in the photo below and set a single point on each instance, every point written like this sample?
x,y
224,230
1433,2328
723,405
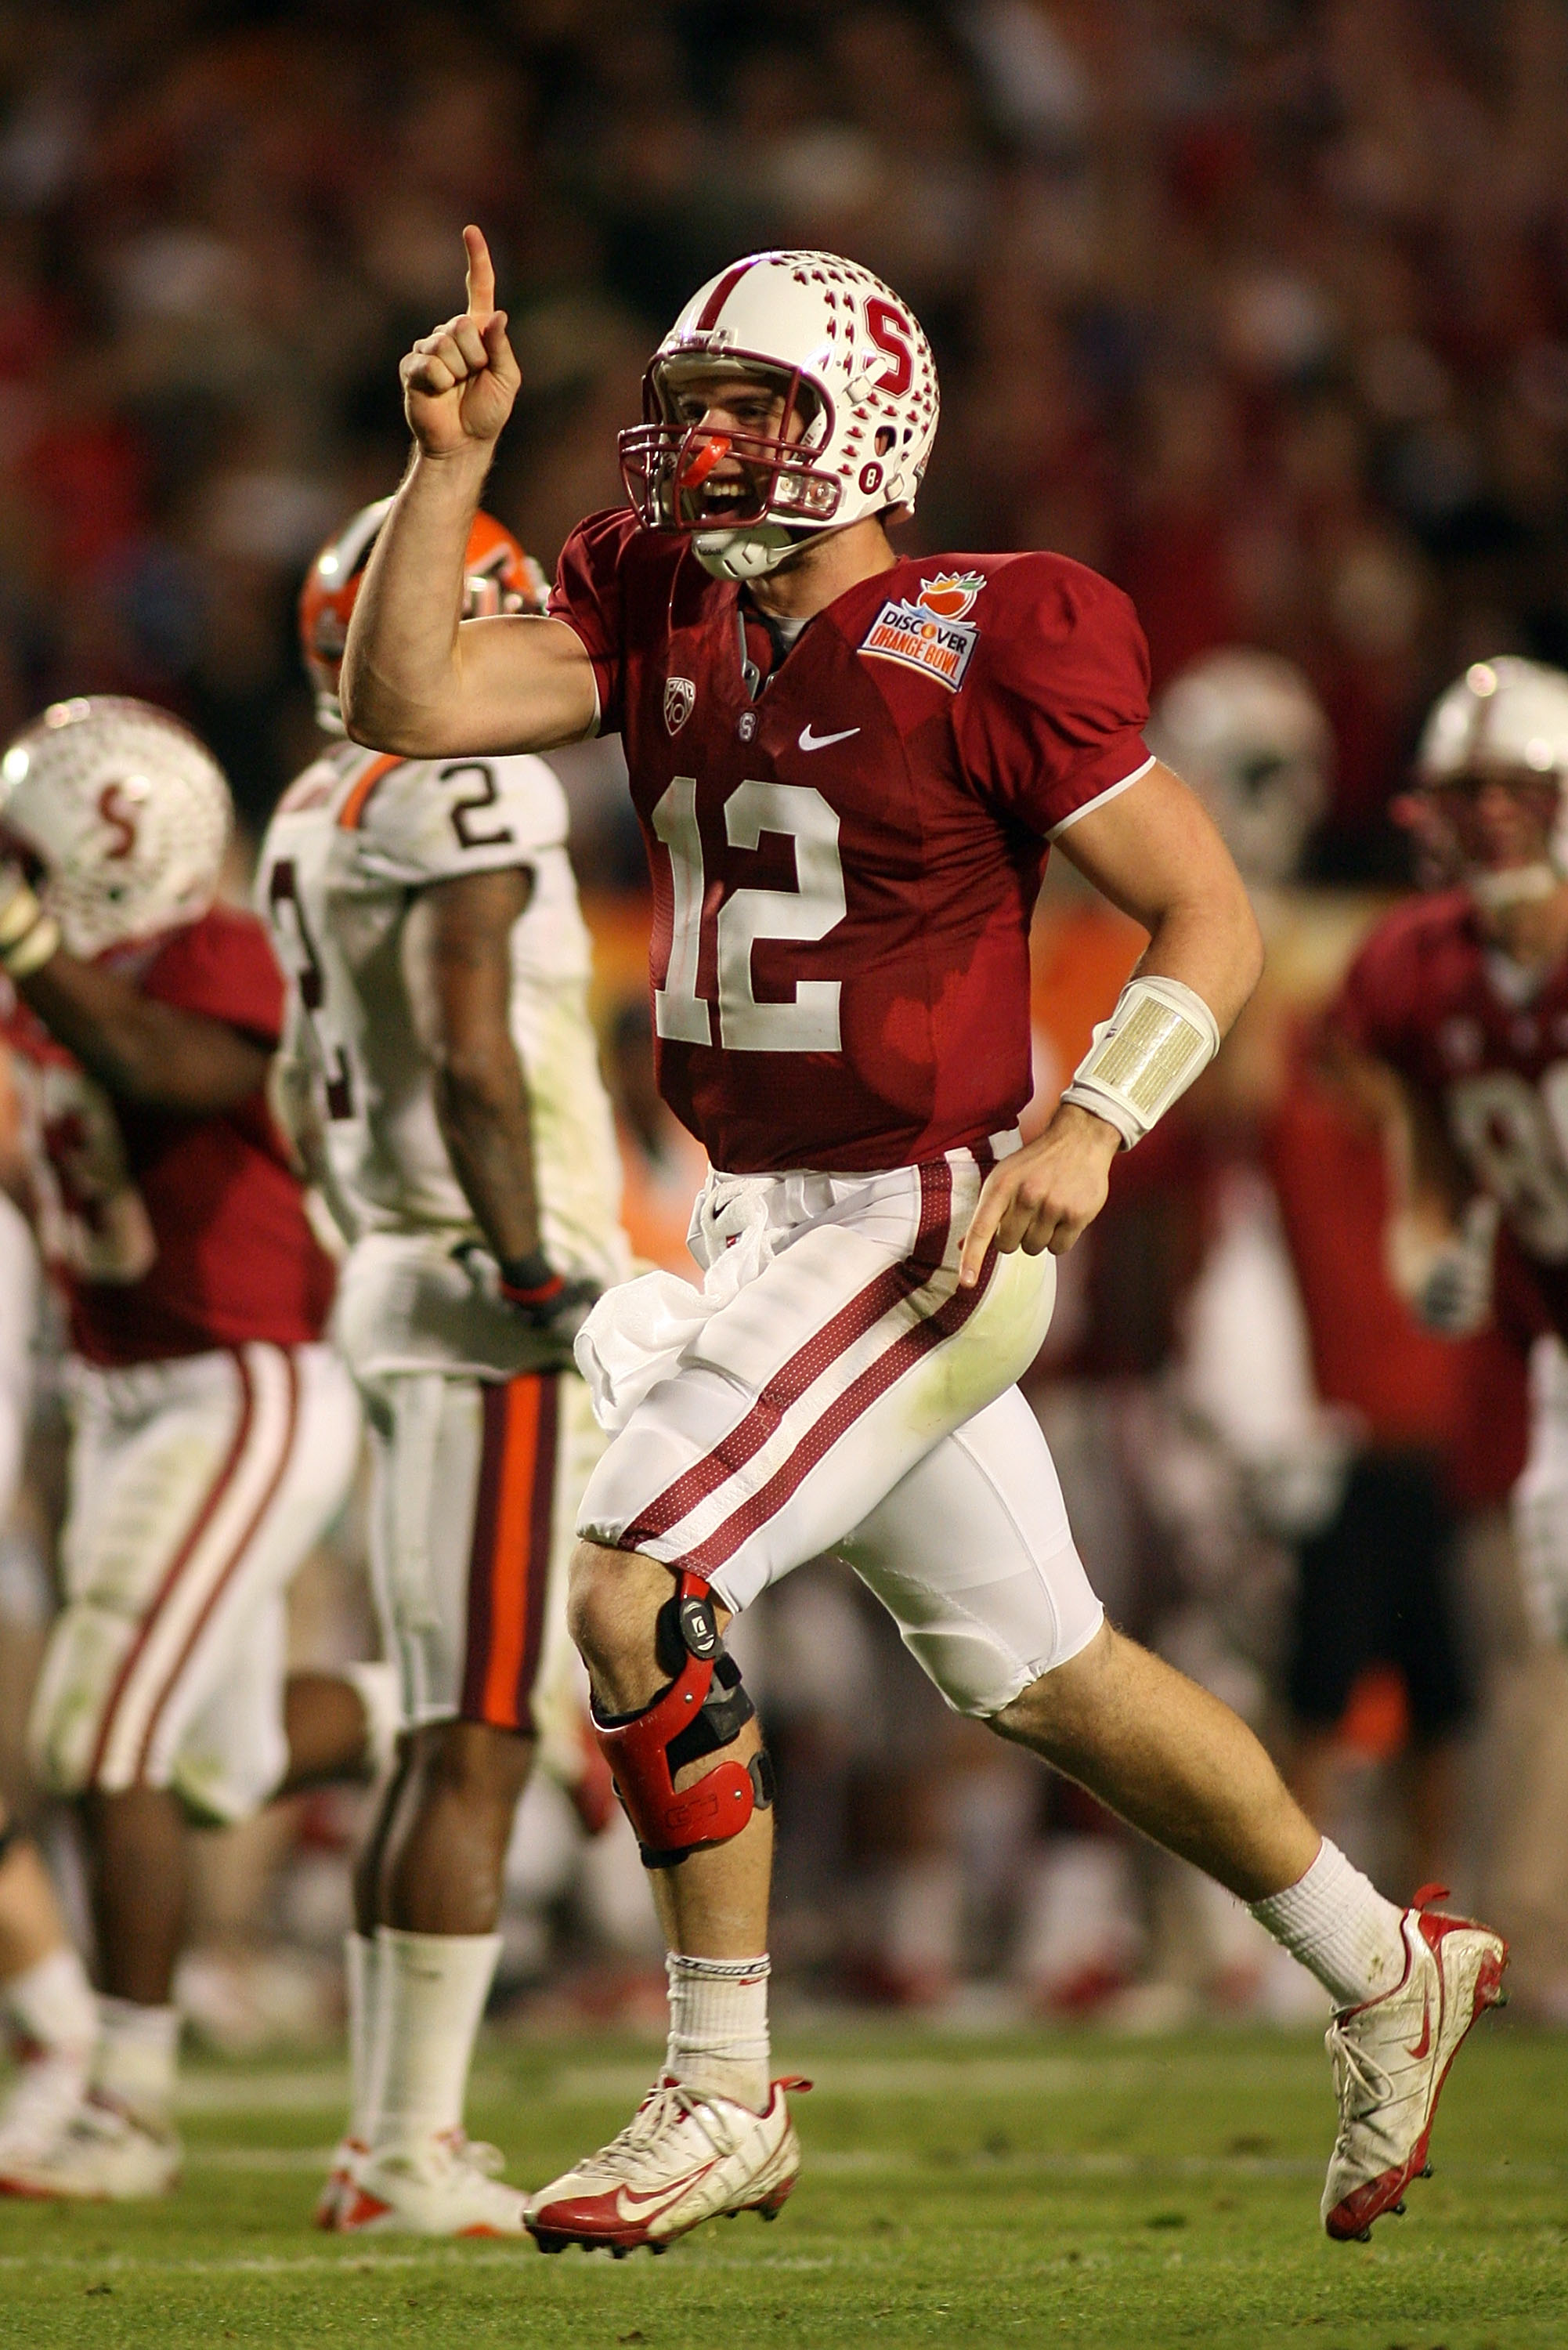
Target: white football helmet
x,y
1506,719
125,815
1250,735
1507,713
860,408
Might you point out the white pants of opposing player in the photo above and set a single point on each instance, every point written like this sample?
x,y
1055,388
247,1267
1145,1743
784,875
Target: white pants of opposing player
x,y
476,1487
832,1389
1540,1500
197,1487
479,1458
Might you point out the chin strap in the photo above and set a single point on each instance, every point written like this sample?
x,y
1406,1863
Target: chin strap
x,y
703,1709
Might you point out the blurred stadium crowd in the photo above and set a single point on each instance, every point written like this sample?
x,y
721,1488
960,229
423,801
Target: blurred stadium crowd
x,y
1260,307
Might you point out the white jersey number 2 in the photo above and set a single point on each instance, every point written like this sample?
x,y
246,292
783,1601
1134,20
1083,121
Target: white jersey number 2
x,y
807,913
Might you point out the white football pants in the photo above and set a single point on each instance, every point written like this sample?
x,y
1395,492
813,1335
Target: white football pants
x,y
197,1487
832,1389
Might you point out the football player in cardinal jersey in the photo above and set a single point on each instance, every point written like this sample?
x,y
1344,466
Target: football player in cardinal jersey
x,y
446,1088
213,1435
1460,1003
850,768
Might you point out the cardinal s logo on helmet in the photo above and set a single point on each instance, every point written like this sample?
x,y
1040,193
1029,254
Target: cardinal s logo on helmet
x,y
126,813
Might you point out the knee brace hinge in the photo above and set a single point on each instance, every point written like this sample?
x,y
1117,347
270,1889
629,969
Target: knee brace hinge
x,y
703,1709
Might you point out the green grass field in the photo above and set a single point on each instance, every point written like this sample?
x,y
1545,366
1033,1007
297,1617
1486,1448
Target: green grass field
x,y
1031,2189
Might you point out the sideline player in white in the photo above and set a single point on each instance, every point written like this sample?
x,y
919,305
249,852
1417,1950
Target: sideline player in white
x,y
213,1436
445,1080
849,768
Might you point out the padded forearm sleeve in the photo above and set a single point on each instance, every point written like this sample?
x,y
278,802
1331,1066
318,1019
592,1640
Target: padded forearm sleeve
x,y
1144,1057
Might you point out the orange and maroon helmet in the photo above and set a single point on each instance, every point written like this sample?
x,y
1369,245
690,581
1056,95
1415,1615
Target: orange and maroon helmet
x,y
498,577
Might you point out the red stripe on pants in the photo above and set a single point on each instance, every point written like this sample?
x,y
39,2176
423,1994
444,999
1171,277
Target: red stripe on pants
x,y
847,1327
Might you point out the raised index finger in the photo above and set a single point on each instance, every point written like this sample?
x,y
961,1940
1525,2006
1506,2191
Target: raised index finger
x,y
481,273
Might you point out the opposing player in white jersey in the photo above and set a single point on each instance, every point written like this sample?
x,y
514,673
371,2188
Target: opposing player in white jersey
x,y
445,1084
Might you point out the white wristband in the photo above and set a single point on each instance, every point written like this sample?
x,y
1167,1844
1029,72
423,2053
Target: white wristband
x,y
1144,1057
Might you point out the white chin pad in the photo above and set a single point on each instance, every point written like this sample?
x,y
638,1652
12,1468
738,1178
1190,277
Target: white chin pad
x,y
1144,1057
1516,885
744,554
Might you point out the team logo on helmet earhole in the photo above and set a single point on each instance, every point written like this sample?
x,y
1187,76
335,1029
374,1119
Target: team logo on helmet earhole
x,y
679,701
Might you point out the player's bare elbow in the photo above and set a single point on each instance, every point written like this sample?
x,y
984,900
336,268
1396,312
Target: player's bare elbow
x,y
1249,949
381,720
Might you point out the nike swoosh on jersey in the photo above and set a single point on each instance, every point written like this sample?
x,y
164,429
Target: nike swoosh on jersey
x,y
810,741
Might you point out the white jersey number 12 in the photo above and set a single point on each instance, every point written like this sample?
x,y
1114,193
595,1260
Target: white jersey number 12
x,y
807,913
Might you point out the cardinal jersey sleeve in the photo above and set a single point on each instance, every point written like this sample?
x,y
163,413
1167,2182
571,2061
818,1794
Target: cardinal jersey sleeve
x,y
433,820
1052,719
222,966
588,596
1380,1007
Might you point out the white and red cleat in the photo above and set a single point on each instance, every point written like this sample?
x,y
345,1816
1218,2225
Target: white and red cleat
x,y
682,2158
339,2186
444,2186
1392,2057
45,2097
107,2155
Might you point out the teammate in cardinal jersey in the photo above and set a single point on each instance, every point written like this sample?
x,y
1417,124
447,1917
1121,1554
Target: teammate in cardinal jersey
x,y
1460,1000
213,1434
446,1085
850,768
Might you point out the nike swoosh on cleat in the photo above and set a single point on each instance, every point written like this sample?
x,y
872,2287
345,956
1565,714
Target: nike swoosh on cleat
x,y
1424,2044
810,741
631,2205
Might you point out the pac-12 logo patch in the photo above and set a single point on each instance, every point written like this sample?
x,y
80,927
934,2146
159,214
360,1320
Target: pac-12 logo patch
x,y
679,701
930,631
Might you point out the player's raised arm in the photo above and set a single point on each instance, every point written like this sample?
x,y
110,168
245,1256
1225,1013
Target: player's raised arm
x,y
1154,852
418,678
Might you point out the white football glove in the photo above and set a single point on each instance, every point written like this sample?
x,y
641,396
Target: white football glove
x,y
1447,1283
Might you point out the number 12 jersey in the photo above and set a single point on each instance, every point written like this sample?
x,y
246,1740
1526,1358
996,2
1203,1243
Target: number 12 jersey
x,y
847,845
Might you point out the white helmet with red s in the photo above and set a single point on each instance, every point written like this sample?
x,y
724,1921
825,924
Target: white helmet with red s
x,y
497,577
858,385
123,816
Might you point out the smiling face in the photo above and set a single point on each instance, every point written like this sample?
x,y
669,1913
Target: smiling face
x,y
734,423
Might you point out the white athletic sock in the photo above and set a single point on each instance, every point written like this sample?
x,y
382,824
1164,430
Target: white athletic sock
x,y
362,1970
135,2062
719,2027
52,2005
1339,1926
431,1995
